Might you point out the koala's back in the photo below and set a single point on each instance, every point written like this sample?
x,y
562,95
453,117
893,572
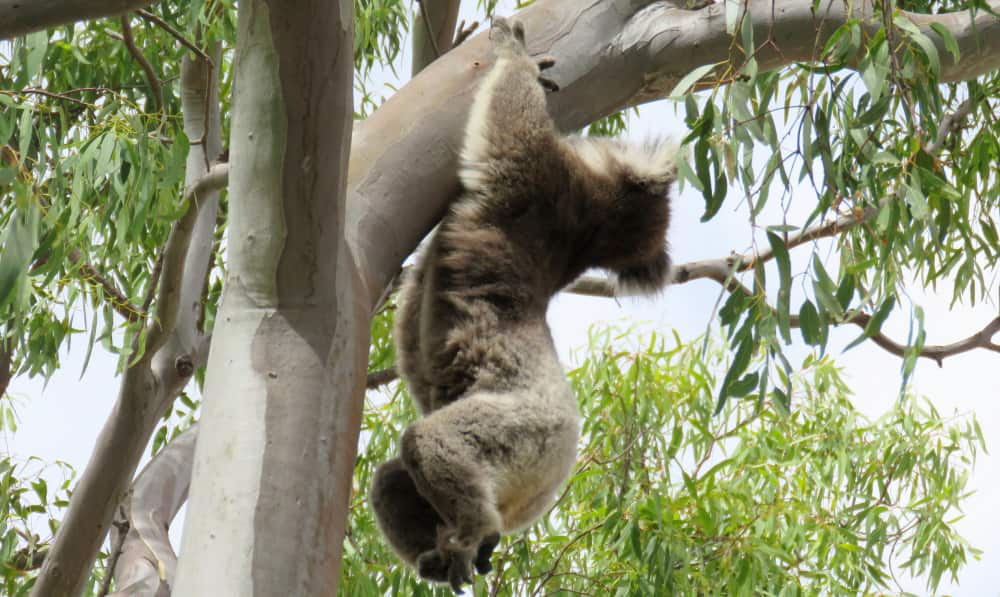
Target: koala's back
x,y
472,312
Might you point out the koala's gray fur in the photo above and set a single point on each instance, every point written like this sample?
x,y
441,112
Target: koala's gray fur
x,y
500,426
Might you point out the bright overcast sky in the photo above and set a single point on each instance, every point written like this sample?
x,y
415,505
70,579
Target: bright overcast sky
x,y
60,421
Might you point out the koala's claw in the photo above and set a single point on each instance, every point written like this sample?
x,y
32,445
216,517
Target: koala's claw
x,y
545,62
459,573
485,552
548,84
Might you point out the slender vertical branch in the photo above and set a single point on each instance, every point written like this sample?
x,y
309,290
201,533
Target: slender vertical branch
x,y
154,82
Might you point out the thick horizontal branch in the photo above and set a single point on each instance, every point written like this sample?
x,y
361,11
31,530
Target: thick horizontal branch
x,y
215,179
18,17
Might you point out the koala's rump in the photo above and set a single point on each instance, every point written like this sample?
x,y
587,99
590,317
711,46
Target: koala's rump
x,y
523,441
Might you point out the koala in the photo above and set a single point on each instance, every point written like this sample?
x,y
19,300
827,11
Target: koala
x,y
499,426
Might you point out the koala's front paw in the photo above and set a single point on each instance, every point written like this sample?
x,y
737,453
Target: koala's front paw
x,y
507,36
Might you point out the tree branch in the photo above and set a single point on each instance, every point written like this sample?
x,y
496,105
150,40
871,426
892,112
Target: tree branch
x,y
19,17
381,377
403,160
175,252
722,270
153,382
463,32
187,43
6,360
433,31
45,93
119,302
148,560
116,552
154,82
949,124
938,353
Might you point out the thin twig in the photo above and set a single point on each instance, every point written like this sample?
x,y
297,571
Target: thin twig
x,y
175,33
937,353
948,125
562,553
151,78
122,527
381,377
44,93
715,270
464,32
119,302
154,281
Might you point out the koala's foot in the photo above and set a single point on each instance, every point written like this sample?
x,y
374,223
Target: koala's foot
x,y
546,62
452,566
485,553
507,36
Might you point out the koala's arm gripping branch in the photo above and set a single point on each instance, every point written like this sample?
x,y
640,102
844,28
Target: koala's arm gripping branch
x,y
509,130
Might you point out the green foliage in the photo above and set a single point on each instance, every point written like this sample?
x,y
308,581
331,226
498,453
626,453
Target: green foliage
x,y
609,126
92,169
97,172
872,133
667,499
27,502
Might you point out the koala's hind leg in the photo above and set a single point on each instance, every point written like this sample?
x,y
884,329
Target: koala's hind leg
x,y
407,520
446,471
410,523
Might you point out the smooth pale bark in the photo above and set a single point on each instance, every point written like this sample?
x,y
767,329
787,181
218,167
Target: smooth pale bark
x,y
149,386
18,17
147,562
280,418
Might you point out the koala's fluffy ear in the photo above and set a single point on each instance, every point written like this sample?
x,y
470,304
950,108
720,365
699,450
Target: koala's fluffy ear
x,y
652,165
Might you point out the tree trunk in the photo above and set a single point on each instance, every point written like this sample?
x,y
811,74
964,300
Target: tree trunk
x,y
286,373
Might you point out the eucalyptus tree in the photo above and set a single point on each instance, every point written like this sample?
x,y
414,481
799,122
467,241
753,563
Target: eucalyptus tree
x,y
113,158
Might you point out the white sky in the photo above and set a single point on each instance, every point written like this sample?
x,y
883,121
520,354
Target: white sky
x,y
60,421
